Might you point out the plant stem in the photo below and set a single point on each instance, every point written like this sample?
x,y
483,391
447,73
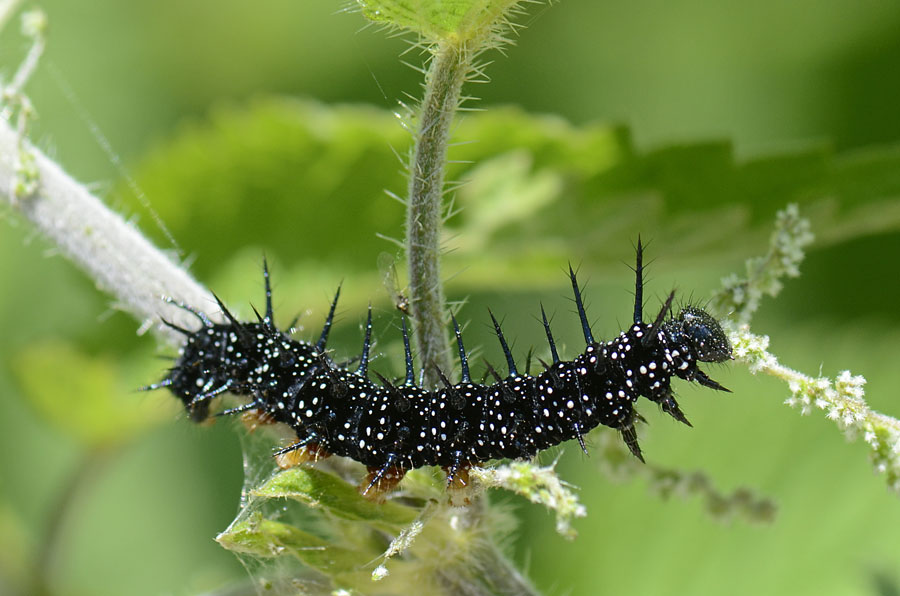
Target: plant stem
x,y
446,74
450,65
112,251
486,571
494,574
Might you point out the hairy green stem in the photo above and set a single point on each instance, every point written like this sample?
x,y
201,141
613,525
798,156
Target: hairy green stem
x,y
449,66
486,571
493,574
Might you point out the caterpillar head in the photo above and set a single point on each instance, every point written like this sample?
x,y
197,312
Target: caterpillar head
x,y
698,330
205,368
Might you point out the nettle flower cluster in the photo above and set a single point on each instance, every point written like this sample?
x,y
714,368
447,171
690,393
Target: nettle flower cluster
x,y
842,398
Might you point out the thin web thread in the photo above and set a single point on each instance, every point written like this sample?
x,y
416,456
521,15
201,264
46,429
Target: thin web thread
x,y
110,154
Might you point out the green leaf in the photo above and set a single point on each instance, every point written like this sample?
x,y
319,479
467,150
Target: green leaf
x,y
279,162
267,538
539,192
84,397
440,19
14,563
322,490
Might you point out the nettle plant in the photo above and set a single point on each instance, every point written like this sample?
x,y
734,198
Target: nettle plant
x,y
525,180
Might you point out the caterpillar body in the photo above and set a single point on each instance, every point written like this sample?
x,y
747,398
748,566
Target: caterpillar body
x,y
393,427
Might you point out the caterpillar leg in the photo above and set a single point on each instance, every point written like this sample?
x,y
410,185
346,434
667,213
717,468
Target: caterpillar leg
x,y
459,486
379,482
255,418
299,452
237,410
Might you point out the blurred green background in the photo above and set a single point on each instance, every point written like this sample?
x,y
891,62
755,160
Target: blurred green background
x,y
688,122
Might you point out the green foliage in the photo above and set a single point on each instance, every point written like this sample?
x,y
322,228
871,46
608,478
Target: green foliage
x,y
278,173
319,489
438,20
343,541
268,538
537,190
82,398
305,182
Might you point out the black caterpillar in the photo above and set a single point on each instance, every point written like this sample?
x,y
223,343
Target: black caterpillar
x,y
395,427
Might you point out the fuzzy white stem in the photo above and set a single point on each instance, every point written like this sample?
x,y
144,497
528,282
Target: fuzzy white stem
x,y
109,249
